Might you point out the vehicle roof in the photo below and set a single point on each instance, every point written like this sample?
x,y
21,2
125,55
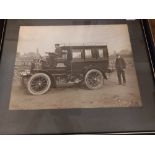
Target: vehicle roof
x,y
85,46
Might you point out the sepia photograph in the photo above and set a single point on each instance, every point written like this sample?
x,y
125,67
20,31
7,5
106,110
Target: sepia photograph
x,y
74,66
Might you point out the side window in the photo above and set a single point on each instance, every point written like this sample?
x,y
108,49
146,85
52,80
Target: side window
x,y
64,54
95,53
88,53
77,53
105,52
100,52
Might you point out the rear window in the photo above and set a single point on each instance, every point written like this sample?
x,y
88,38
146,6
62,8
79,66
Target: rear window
x,y
100,52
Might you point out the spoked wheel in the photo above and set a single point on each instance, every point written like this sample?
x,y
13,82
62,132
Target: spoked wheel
x,y
94,79
39,84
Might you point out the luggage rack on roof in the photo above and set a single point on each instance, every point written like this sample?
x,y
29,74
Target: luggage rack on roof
x,y
83,44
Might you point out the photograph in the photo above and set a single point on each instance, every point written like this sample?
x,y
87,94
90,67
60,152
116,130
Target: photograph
x,y
74,66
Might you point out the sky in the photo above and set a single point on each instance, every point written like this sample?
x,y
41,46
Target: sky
x,y
43,38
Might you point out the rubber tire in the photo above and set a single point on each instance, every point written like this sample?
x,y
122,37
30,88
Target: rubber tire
x,y
34,76
86,75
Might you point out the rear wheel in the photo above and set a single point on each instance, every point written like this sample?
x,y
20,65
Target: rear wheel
x,y
39,84
94,79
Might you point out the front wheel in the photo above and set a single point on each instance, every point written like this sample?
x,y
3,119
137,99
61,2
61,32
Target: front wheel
x,y
39,84
94,79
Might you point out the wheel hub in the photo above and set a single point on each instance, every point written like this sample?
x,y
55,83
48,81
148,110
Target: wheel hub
x,y
39,83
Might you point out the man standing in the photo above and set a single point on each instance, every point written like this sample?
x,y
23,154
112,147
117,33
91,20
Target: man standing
x,y
120,66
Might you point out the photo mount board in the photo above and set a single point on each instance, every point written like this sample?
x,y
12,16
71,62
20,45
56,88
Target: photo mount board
x,y
62,121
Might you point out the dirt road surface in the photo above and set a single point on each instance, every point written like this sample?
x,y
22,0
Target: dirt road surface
x,y
73,96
